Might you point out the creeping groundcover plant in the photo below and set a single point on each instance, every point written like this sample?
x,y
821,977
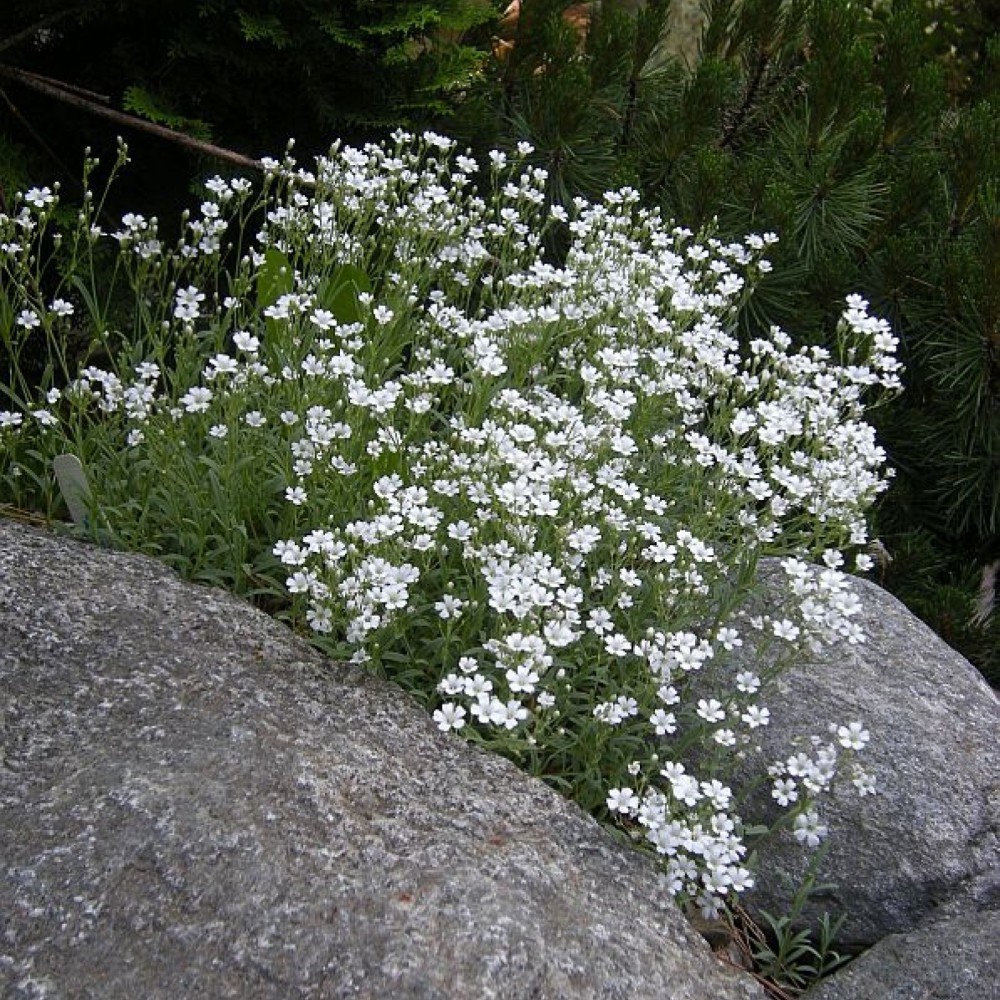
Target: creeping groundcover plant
x,y
514,456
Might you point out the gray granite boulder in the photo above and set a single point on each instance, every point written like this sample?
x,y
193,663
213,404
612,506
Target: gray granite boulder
x,y
194,803
955,959
928,844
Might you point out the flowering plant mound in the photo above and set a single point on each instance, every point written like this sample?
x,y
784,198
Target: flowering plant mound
x,y
532,487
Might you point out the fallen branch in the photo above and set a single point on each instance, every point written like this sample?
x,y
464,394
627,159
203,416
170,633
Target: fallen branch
x,y
72,96
70,88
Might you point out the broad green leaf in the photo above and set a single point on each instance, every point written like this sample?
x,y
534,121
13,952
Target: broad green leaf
x,y
274,279
339,293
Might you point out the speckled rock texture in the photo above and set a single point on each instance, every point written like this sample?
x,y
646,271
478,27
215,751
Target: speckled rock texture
x,y
928,845
194,803
956,959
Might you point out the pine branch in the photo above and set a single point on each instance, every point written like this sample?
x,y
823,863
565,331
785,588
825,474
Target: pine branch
x,y
735,122
631,107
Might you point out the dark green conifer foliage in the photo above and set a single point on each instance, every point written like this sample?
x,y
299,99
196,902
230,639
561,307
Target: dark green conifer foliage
x,y
867,135
252,73
864,133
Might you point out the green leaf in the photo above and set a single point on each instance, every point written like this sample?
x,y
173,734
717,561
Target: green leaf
x,y
274,279
388,656
339,293
141,102
263,28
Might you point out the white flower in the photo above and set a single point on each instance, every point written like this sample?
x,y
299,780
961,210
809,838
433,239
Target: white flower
x,y
663,722
323,319
863,562
686,790
45,418
39,197
449,716
221,364
785,630
667,693
460,531
864,782
197,399
711,710
721,796
28,318
320,619
833,558
755,716
246,342
599,620
522,679
853,736
800,765
728,638
449,606
289,553
784,791
452,685
298,583
508,715
477,687
617,645
808,829
187,302
622,800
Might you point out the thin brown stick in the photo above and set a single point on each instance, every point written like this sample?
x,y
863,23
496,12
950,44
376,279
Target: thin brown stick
x,y
70,88
61,93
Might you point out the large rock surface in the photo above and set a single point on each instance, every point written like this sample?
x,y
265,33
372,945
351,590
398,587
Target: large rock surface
x,y
193,803
956,959
926,846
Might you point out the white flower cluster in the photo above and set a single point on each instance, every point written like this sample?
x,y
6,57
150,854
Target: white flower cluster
x,y
554,475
